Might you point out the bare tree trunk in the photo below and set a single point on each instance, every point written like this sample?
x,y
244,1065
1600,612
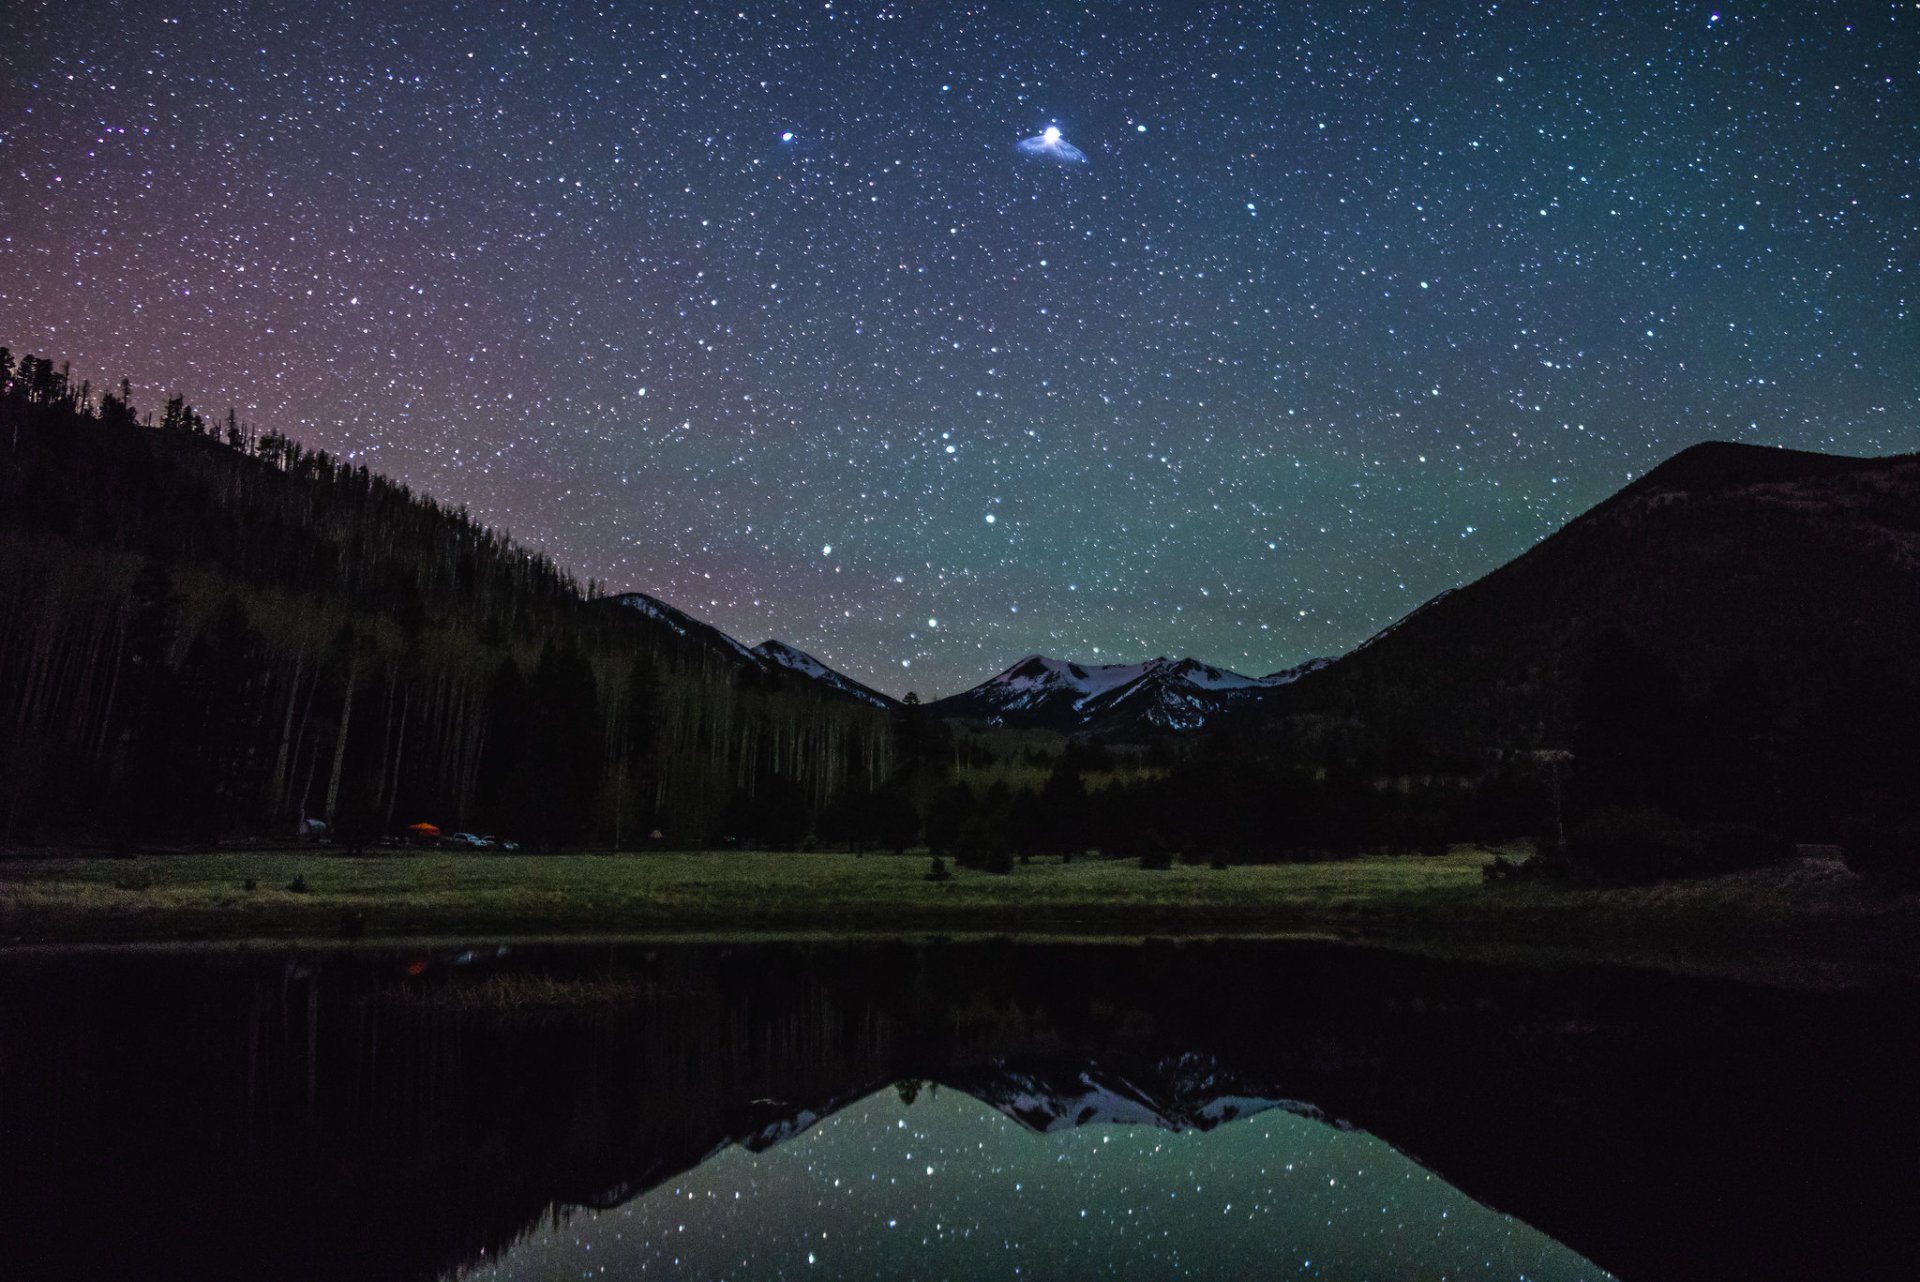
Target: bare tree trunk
x,y
340,740
306,786
113,687
313,753
399,754
277,788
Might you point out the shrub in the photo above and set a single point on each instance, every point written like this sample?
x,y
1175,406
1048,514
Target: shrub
x,y
1154,853
939,870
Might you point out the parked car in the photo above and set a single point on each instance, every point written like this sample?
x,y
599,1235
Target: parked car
x,y
467,841
501,843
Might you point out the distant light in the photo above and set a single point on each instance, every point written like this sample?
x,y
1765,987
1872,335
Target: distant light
x,y
933,623
1139,129
787,136
1051,133
826,549
991,518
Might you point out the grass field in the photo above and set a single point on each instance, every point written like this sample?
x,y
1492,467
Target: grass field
x,y
1806,914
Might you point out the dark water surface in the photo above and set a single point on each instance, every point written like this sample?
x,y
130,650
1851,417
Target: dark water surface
x,y
943,1111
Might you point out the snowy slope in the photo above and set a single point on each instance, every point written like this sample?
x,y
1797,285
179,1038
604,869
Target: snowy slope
x,y
797,660
1160,694
684,624
768,656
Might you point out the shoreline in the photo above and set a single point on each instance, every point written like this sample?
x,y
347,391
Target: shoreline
x,y
1804,922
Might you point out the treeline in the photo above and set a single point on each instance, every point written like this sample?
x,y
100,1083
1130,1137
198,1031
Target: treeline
x,y
208,630
1230,799
1649,775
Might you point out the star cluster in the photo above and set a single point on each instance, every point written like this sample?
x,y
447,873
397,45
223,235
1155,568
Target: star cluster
x,y
1340,306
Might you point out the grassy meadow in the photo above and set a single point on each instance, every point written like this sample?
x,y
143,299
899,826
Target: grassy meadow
x,y
1802,916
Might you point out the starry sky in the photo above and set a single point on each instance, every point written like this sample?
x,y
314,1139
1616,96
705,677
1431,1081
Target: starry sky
x,y
947,1187
924,335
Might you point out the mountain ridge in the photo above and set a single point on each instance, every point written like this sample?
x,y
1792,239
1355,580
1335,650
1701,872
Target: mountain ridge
x,y
771,658
794,659
1777,590
1694,523
1159,694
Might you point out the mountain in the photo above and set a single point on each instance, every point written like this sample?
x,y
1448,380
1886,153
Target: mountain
x,y
1159,695
771,658
1184,1092
797,660
1769,595
684,625
1045,1093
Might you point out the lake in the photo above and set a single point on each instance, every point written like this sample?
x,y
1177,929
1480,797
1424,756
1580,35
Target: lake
x,y
941,1110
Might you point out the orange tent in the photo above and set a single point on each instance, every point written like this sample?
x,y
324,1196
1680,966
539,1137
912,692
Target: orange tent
x,y
424,830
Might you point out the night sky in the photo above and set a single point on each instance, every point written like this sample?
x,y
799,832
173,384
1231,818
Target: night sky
x,y
948,1188
800,317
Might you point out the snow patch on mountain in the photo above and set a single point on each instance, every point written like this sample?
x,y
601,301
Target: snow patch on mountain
x,y
1287,676
794,659
1161,694
682,623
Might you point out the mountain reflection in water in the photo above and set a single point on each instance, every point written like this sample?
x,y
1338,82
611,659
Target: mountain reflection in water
x,y
947,1186
411,1115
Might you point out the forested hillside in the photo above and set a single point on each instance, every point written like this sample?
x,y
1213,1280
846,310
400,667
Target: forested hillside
x,y
1734,634
207,630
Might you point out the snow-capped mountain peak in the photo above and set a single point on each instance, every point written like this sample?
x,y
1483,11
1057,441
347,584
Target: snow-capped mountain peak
x,y
683,624
1159,694
768,656
795,659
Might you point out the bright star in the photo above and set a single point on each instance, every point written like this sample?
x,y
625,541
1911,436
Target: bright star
x,y
1050,144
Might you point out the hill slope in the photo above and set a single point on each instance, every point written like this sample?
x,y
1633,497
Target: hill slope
x,y
210,633
1771,585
